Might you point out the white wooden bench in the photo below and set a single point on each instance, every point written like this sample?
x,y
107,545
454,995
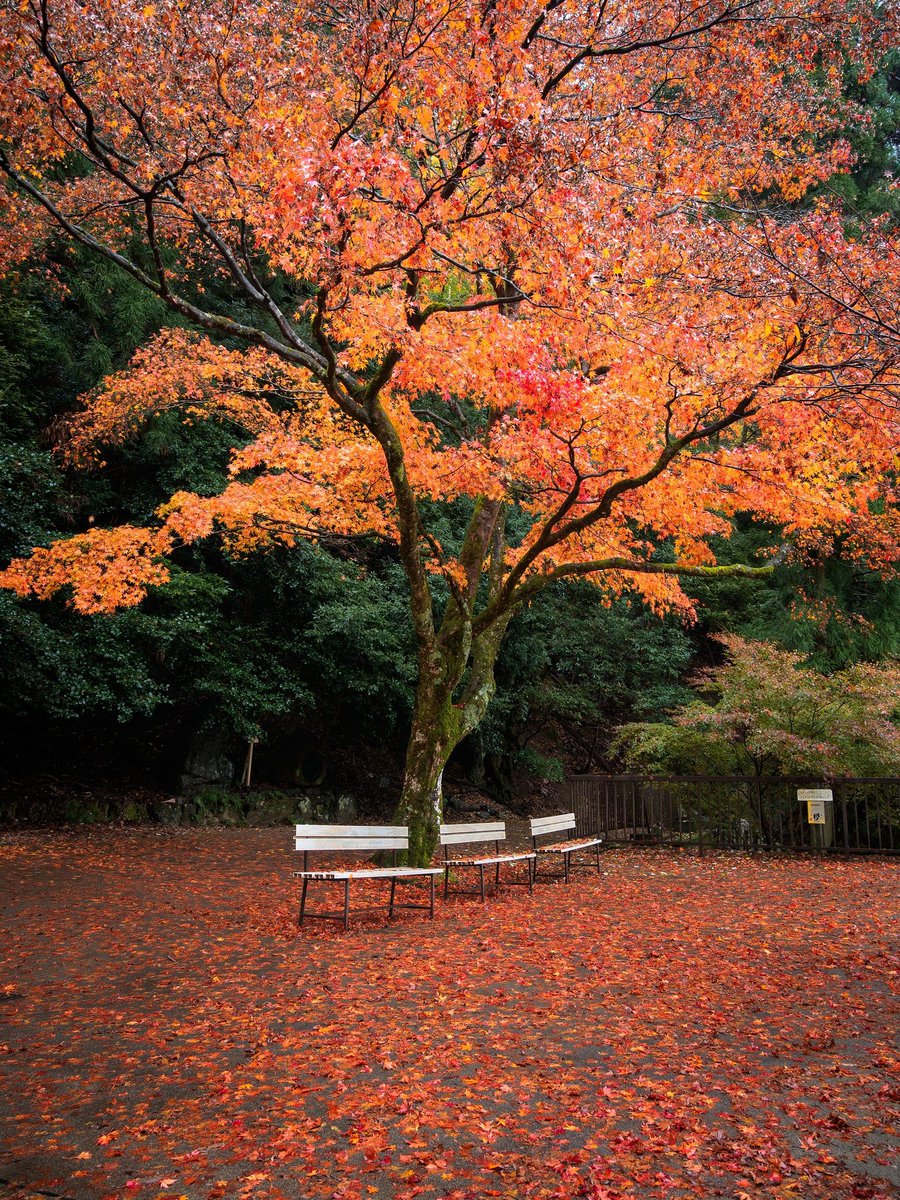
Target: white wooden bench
x,y
563,823
475,833
347,839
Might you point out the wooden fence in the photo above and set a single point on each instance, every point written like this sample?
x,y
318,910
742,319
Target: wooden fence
x,y
737,812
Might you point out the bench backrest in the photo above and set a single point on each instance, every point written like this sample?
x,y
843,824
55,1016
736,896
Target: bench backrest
x,y
556,824
473,831
351,837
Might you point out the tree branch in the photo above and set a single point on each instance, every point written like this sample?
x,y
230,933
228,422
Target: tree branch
x,y
537,583
726,17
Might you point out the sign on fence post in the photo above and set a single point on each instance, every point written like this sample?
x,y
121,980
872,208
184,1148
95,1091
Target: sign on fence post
x,y
819,815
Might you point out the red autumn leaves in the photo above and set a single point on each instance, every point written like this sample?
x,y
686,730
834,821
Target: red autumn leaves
x,y
677,1027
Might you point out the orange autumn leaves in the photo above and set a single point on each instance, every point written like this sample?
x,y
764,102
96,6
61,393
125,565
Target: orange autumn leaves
x,y
104,568
306,471
178,371
556,239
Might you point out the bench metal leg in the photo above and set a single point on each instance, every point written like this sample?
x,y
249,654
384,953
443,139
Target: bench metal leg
x,y
392,904
530,865
303,901
446,881
346,904
598,858
566,858
481,880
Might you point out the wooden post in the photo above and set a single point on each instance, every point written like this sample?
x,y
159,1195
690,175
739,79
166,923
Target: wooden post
x,y
248,764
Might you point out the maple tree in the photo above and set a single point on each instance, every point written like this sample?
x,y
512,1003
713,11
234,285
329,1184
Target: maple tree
x,y
774,714
544,260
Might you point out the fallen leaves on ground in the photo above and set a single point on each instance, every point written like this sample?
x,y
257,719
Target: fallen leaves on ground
x,y
675,1027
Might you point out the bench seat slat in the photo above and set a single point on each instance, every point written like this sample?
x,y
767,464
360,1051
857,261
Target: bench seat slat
x,y
372,873
554,824
489,862
568,847
475,827
353,830
464,839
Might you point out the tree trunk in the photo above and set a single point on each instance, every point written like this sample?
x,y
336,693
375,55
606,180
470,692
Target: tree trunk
x,y
435,734
439,725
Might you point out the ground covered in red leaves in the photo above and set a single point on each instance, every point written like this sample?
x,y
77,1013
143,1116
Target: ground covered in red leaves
x,y
677,1027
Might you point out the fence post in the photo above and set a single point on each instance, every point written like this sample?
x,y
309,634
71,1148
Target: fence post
x,y
700,822
842,793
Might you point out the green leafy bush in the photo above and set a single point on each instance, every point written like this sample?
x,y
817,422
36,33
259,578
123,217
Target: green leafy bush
x,y
766,712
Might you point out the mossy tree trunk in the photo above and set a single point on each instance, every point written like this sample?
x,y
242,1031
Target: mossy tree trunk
x,y
433,739
456,663
452,698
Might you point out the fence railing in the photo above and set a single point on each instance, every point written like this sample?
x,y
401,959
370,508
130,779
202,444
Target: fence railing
x,y
737,812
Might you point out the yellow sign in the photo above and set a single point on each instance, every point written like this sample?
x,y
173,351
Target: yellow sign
x,y
815,812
